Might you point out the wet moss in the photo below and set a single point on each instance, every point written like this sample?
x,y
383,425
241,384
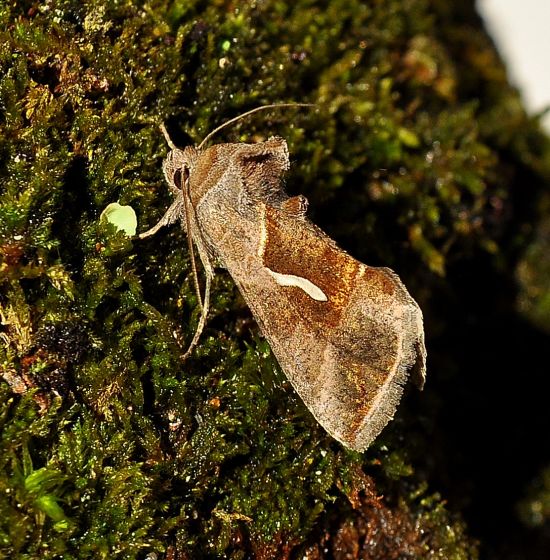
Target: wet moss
x,y
111,446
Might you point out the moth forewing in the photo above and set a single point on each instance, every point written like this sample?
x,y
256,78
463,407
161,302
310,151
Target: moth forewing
x,y
345,334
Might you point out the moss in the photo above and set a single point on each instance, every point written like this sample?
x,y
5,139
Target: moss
x,y
533,272
535,507
111,447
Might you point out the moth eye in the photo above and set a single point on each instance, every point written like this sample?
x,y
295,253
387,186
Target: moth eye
x,y
177,178
180,177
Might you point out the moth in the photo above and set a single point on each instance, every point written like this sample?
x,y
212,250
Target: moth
x,y
345,334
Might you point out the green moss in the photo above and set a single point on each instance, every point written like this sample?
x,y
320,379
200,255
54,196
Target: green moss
x,y
534,509
533,271
111,446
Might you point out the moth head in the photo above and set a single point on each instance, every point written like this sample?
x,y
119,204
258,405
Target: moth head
x,y
178,166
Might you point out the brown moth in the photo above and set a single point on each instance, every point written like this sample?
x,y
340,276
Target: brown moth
x,y
345,334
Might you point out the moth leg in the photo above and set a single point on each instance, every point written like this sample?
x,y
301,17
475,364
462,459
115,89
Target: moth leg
x,y
202,320
295,206
205,302
195,236
173,214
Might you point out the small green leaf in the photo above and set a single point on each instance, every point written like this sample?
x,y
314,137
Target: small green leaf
x,y
122,217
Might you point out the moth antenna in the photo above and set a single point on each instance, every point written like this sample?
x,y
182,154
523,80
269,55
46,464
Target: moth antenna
x,y
171,144
260,108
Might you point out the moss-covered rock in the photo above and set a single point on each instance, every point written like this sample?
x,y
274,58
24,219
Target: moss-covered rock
x,y
110,445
